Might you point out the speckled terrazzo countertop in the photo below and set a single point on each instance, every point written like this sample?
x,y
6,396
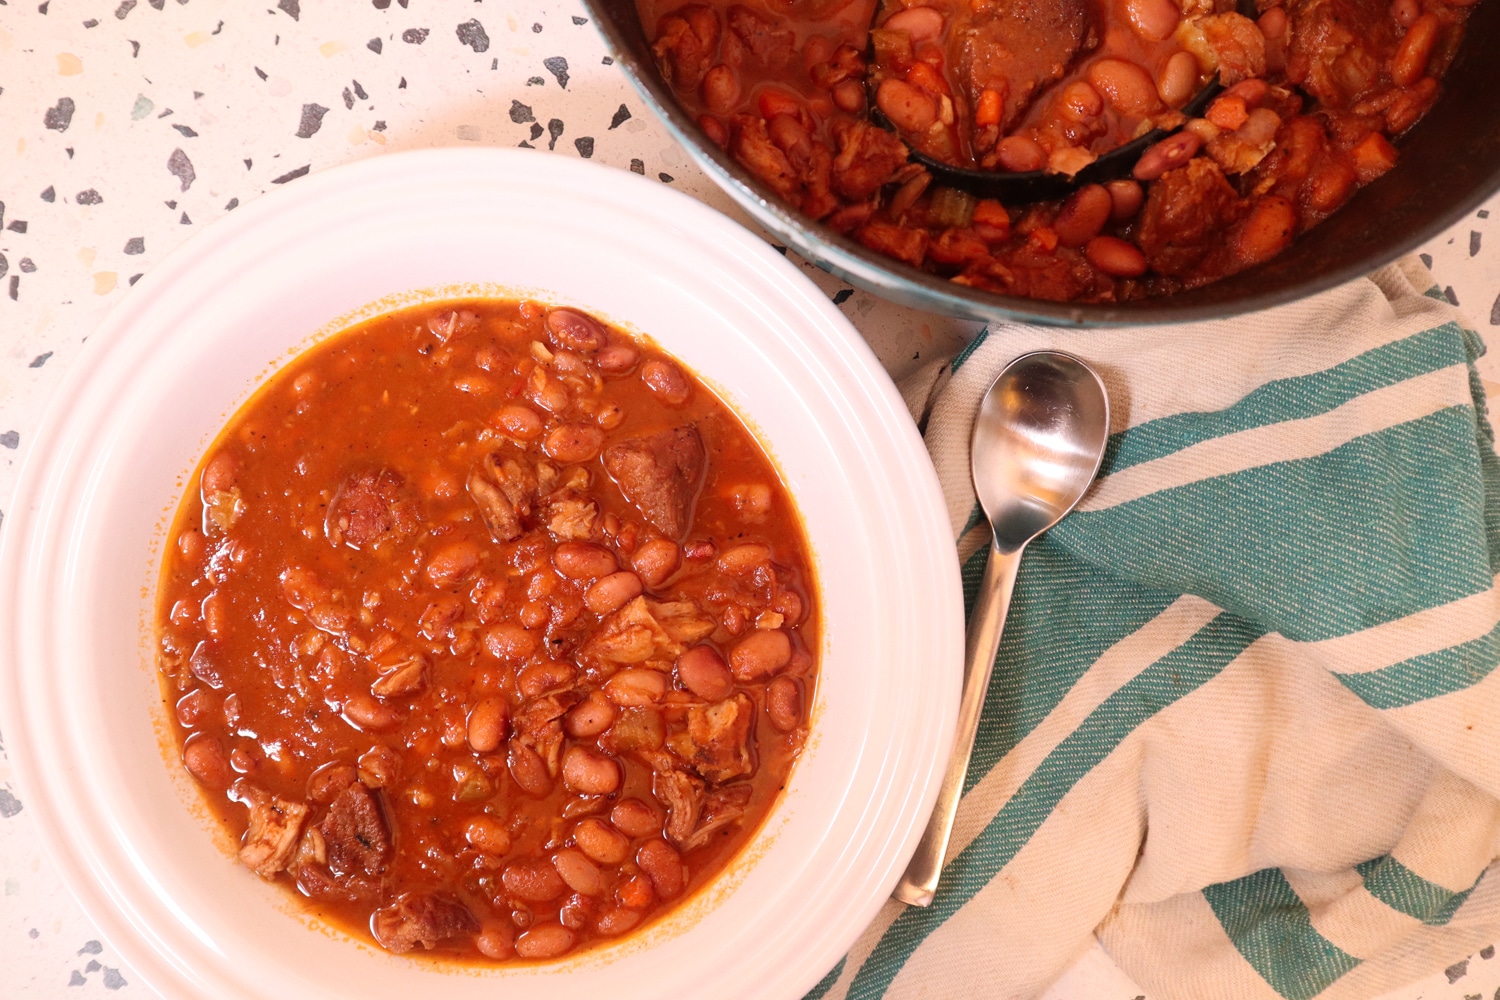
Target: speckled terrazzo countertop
x,y
125,124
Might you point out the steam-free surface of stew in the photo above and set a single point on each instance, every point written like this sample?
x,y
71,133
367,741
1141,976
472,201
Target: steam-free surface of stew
x,y
488,630
1315,90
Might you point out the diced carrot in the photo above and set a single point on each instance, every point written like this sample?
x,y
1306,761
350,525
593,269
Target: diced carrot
x,y
1043,238
929,79
777,102
1373,156
1228,112
990,212
987,110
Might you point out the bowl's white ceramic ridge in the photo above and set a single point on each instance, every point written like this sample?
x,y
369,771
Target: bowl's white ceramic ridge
x,y
79,699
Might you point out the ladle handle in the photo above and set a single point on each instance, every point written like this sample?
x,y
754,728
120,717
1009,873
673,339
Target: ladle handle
x,y
988,619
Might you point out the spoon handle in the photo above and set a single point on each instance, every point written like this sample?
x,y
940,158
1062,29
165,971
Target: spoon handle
x,y
990,606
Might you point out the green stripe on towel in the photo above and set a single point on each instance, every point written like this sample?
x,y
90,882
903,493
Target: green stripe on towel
x,y
1272,931
1404,891
1293,398
1179,673
1428,676
1395,532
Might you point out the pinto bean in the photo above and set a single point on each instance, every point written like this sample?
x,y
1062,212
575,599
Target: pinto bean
x,y
784,704
760,654
1115,257
575,331
635,818
529,770
1169,154
1083,215
1020,154
720,89
921,24
497,941
1409,64
600,841
510,643
547,940
369,713
450,564
1273,23
1266,232
589,717
1080,102
1404,12
611,592
663,866
581,874
534,880
656,560
1153,20
617,359
589,772
204,758
191,546
667,381
1178,79
703,672
1126,198
573,444
908,108
739,560
488,721
485,834
584,560
1127,87
519,421
220,474
636,687
616,920
849,96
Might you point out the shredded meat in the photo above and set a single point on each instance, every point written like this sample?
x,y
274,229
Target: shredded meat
x,y
633,634
1337,47
571,517
687,43
682,795
369,508
538,726
504,490
721,809
421,920
1185,215
716,742
769,43
275,826
661,475
867,159
355,833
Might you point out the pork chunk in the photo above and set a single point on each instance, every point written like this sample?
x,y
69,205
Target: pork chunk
x,y
1185,214
661,476
275,828
633,635
355,833
504,490
1018,48
716,742
769,43
370,507
867,159
421,920
687,45
1338,47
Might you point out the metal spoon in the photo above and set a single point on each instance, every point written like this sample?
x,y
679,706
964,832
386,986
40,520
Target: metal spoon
x,y
1038,441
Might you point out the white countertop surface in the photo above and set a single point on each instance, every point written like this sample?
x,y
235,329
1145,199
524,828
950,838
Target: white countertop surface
x,y
125,126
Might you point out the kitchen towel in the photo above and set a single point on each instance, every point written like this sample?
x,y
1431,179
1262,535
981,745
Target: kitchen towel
x,y
1244,725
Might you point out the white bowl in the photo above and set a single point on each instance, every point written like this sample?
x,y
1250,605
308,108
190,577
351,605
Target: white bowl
x,y
85,720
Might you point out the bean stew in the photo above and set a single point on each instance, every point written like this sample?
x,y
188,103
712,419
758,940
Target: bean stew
x,y
489,630
1307,96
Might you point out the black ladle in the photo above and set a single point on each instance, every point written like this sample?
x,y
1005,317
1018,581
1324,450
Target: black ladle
x,y
1025,186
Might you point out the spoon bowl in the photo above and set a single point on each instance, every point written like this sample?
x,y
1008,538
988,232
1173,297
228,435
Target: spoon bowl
x,y
1038,441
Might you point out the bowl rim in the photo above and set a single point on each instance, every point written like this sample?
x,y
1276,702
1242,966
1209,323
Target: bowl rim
x,y
32,534
866,269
